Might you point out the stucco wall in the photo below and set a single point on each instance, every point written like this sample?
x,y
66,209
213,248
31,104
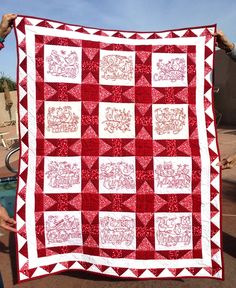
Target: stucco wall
x,y
225,80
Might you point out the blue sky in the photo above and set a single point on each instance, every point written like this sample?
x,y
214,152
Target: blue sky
x,y
135,15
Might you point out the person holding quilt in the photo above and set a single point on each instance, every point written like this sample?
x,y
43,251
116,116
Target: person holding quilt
x,y
225,44
6,25
230,49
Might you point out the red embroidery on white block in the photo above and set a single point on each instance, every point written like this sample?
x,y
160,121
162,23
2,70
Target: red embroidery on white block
x,y
117,176
117,231
169,120
63,174
171,231
173,70
172,177
62,119
117,67
62,230
117,119
61,64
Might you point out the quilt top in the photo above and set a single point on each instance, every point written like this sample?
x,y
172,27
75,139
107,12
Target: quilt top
x,y
118,170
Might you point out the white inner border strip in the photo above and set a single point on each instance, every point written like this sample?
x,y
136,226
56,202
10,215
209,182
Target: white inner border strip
x,y
34,261
204,154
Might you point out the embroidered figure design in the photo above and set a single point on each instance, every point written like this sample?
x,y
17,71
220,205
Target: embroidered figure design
x,y
63,174
117,231
62,119
117,119
117,67
173,70
61,64
169,120
169,177
172,231
62,230
117,176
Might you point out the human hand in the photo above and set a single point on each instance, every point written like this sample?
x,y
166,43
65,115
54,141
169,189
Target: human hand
x,y
6,24
6,222
222,41
229,162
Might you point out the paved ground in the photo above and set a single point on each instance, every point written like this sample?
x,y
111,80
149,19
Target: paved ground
x,y
227,144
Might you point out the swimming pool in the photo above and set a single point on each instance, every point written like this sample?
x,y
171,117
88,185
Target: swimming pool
x,y
8,193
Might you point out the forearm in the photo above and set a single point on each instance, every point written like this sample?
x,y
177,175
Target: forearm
x,y
1,32
5,27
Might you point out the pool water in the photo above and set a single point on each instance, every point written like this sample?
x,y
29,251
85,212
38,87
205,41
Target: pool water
x,y
8,196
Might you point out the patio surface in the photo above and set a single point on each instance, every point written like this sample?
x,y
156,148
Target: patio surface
x,y
227,144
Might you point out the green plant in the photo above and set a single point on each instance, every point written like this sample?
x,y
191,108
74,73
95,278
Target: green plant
x,y
10,82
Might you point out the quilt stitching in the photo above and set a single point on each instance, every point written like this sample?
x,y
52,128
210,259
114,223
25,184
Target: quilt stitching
x,y
114,149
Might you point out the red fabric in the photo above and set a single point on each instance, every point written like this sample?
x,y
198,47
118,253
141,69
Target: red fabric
x,y
118,171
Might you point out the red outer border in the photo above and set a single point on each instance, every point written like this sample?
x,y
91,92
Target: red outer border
x,y
106,29
19,133
220,174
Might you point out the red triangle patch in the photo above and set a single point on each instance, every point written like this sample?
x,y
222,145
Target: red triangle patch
x,y
145,188
143,82
130,147
90,79
89,133
103,202
90,188
143,134
104,147
103,93
90,52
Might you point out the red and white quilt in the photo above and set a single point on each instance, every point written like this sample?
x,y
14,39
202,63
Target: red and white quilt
x,y
118,170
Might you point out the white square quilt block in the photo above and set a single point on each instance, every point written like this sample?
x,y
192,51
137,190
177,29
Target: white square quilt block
x,y
62,174
173,231
170,121
117,175
117,230
169,70
62,64
62,228
172,175
116,120
117,68
62,119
